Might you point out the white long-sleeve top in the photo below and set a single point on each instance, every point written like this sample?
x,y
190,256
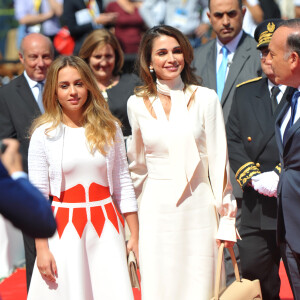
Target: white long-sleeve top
x,y
45,166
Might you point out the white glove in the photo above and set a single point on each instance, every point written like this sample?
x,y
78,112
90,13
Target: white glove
x,y
266,183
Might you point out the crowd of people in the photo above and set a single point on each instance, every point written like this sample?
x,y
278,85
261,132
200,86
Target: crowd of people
x,y
198,147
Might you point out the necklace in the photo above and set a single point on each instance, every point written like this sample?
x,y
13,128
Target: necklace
x,y
103,91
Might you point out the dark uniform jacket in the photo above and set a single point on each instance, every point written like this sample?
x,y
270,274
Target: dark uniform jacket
x,y
252,148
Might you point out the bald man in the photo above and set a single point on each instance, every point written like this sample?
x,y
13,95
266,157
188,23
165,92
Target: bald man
x,y
284,58
21,103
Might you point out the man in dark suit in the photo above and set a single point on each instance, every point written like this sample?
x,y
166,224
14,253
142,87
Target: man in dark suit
x,y
284,57
239,63
243,62
21,103
254,157
20,202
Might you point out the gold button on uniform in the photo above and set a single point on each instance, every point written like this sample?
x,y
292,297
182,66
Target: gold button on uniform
x,y
258,165
249,139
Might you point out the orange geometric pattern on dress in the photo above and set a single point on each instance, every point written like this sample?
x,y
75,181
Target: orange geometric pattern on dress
x,y
62,219
120,217
79,219
97,219
98,192
111,214
76,194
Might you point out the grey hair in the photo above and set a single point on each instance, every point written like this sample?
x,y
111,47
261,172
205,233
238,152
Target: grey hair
x,y
293,39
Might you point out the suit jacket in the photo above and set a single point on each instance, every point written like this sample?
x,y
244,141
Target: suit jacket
x,y
78,32
18,108
245,65
23,205
288,191
252,148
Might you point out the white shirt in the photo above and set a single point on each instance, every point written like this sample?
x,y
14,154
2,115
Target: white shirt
x,y
282,89
33,86
287,116
249,24
231,46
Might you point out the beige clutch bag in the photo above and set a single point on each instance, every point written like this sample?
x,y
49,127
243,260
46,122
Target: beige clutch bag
x,y
132,269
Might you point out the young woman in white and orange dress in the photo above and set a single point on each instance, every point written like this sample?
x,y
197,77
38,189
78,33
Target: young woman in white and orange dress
x,y
77,156
179,165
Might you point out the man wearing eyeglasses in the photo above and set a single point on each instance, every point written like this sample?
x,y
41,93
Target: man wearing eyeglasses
x,y
254,158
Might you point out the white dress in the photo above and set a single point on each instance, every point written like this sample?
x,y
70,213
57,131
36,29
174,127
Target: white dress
x,y
88,247
177,240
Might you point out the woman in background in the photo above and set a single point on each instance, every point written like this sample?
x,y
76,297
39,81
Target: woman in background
x,y
102,51
129,25
77,156
179,166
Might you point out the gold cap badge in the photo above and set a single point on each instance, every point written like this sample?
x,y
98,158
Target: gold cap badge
x,y
271,27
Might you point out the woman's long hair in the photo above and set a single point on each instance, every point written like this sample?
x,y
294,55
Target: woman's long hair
x,y
99,123
144,59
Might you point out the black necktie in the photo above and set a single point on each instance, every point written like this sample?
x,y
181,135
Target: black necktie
x,y
293,105
274,92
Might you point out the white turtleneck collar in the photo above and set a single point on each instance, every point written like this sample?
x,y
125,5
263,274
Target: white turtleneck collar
x,y
165,86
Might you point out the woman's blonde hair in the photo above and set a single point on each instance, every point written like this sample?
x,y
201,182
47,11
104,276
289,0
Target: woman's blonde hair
x,y
99,123
102,37
144,59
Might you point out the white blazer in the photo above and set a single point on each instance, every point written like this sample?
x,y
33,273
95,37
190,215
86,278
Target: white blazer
x,y
45,166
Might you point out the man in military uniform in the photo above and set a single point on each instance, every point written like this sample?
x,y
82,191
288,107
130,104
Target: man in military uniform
x,y
254,158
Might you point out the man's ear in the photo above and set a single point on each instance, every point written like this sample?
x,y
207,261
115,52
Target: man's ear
x,y
21,58
208,15
244,11
294,60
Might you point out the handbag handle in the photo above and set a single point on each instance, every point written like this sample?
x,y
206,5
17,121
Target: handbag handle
x,y
219,267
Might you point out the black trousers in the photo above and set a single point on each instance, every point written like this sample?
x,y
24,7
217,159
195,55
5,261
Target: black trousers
x,y
30,255
260,257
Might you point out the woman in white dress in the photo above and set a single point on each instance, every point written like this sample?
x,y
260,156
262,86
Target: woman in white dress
x,y
179,166
77,156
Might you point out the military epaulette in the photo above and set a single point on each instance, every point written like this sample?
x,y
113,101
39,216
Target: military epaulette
x,y
250,80
277,169
245,173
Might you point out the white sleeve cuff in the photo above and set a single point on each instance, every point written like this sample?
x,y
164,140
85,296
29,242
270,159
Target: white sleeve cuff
x,y
19,174
227,230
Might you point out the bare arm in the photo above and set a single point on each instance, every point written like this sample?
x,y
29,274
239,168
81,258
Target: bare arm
x,y
133,224
56,7
36,19
256,12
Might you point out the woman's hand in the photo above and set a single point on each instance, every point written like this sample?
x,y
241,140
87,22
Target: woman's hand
x,y
133,245
46,264
133,224
227,244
